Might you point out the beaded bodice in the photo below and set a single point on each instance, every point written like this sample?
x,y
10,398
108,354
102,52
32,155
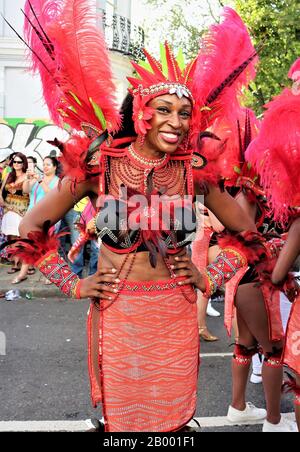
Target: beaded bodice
x,y
163,176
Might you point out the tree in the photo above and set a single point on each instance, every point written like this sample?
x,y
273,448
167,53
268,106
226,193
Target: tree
x,y
181,23
273,23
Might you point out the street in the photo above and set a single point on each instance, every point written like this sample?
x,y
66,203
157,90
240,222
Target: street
x,y
44,372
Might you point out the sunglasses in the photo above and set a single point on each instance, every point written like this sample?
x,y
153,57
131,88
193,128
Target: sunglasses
x,y
18,161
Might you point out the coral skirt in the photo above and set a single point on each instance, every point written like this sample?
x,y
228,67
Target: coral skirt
x,y
144,357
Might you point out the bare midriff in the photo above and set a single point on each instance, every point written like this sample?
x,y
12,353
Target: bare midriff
x,y
141,269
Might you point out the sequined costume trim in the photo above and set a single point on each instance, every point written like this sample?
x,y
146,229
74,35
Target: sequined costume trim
x,y
56,270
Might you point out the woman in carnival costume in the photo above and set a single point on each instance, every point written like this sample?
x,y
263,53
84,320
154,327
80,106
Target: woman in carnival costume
x,y
142,323
276,156
265,322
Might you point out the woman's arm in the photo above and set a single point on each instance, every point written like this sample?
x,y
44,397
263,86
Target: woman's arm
x,y
288,255
28,184
228,211
55,205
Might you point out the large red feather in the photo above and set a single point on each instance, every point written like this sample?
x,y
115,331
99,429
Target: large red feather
x,y
37,245
77,60
252,244
276,153
226,49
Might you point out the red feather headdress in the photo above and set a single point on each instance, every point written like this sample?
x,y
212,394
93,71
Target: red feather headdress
x,y
276,151
158,79
213,82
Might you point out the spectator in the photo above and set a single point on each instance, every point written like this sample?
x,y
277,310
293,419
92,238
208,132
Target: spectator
x,y
70,220
32,164
36,188
15,204
86,219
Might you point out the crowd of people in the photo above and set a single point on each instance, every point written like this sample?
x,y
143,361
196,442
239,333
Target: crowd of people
x,y
182,148
24,185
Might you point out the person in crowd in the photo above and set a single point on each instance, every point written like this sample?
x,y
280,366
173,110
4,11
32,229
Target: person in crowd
x,y
38,187
69,222
15,203
85,225
204,252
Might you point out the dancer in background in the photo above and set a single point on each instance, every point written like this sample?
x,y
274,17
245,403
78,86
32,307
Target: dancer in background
x,y
204,251
276,156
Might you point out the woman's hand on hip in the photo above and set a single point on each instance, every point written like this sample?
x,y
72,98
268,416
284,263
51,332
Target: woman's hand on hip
x,y
185,267
95,286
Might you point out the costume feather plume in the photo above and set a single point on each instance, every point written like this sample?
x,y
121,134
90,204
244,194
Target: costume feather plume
x,y
225,66
276,153
69,52
224,150
36,246
237,171
251,244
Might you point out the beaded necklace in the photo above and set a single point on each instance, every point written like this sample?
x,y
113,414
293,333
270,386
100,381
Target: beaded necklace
x,y
172,175
145,162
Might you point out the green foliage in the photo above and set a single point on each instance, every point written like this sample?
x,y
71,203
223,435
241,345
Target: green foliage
x,y
273,23
180,23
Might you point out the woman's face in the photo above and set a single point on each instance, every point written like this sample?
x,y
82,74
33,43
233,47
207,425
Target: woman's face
x,y
170,123
18,164
48,167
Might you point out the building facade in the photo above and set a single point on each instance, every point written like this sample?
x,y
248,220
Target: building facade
x,y
21,93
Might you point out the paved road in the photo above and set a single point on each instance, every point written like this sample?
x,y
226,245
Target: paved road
x,y
44,373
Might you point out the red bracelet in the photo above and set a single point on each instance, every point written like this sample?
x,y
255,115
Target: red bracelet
x,y
55,268
225,267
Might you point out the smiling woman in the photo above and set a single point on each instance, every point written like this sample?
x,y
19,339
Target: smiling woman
x,y
170,124
142,324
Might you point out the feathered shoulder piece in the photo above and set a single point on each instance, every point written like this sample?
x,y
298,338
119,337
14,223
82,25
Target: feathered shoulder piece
x,y
36,246
252,244
225,65
242,174
69,52
275,153
224,68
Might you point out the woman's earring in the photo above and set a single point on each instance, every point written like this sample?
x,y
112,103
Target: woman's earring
x,y
186,142
141,141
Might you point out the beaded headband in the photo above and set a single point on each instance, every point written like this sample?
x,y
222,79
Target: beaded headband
x,y
171,88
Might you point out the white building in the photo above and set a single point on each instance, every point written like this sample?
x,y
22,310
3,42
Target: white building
x,y
21,94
